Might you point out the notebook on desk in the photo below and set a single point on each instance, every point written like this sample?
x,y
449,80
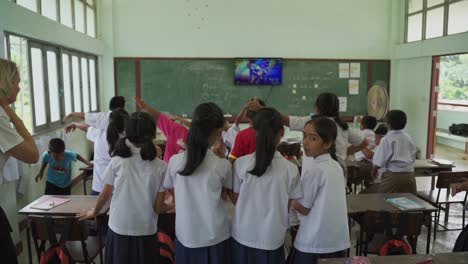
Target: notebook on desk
x,y
50,203
442,162
404,203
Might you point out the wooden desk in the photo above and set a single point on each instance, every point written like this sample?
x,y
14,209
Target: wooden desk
x,y
452,258
424,168
443,258
77,204
361,203
406,259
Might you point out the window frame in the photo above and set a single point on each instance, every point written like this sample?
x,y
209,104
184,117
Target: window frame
x,y
59,50
445,4
93,6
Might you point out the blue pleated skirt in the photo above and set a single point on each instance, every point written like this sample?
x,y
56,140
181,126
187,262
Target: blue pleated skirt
x,y
122,249
246,255
219,253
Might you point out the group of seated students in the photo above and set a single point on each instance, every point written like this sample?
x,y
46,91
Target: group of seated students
x,y
208,163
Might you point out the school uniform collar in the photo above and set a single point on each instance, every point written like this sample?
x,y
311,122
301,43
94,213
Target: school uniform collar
x,y
278,155
395,132
323,157
133,148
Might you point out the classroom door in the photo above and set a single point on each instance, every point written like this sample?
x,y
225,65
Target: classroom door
x,y
431,138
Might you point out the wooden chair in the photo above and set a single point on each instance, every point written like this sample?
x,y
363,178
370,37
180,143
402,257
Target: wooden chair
x,y
390,224
442,199
87,175
74,239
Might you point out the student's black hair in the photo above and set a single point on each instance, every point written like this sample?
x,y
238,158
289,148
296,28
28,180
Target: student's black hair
x,y
381,130
56,145
327,131
116,127
140,130
251,114
207,117
117,102
328,104
396,119
267,124
369,122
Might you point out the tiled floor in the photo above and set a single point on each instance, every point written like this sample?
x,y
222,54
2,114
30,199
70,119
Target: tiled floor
x,y
443,243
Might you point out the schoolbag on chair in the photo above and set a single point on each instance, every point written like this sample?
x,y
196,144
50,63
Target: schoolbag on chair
x,y
166,248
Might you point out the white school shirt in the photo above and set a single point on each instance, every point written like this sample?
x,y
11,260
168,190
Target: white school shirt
x,y
396,152
136,184
261,215
97,119
325,228
343,137
9,139
380,171
201,215
101,155
368,134
229,137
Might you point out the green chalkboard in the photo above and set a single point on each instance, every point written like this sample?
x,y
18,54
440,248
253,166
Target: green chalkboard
x,y
179,85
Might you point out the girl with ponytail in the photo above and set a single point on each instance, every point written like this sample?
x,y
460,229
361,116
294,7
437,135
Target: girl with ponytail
x,y
134,181
200,180
264,184
323,204
327,104
104,141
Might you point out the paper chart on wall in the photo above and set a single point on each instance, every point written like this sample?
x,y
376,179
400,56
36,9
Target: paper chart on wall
x,y
355,70
353,87
343,70
343,103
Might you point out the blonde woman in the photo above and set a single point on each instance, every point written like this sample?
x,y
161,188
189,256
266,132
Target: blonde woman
x,y
15,141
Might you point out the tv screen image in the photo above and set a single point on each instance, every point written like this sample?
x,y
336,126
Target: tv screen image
x,y
258,71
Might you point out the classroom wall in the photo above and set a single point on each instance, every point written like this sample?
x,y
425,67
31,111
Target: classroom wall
x,y
411,73
16,19
243,28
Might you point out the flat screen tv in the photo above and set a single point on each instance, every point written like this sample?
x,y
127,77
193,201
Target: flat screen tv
x,y
266,71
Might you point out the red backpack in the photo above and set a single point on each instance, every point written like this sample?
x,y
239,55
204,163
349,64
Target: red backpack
x,y
166,248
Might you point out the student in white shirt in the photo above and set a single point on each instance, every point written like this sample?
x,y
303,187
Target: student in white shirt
x,y
327,104
364,156
200,180
105,141
264,184
98,120
323,232
134,182
373,187
396,154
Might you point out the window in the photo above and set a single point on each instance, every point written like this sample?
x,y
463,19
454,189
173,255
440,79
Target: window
x,y
453,80
426,19
77,14
54,82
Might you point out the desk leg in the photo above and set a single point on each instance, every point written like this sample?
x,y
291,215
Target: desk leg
x,y
433,181
429,229
28,237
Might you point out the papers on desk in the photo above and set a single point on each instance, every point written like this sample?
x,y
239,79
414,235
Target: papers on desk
x,y
442,162
404,203
49,203
358,260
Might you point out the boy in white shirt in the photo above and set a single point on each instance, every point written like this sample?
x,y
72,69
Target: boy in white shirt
x,y
396,154
364,156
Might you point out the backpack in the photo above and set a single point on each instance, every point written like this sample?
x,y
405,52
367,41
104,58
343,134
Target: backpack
x,y
396,243
166,248
55,255
461,244
459,129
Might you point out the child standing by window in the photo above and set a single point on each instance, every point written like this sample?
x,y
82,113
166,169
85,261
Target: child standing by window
x,y
397,154
264,182
60,167
199,179
323,232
